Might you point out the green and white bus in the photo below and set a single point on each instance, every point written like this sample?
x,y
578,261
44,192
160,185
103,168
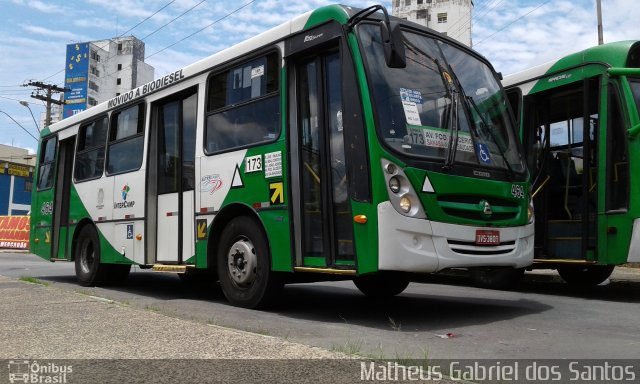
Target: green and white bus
x,y
339,143
579,124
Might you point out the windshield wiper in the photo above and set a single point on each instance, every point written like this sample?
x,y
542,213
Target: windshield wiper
x,y
486,126
452,94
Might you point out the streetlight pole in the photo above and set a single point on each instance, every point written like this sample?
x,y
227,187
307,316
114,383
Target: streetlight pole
x,y
20,125
600,34
24,103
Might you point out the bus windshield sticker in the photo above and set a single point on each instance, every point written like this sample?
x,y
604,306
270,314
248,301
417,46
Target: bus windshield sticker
x,y
438,138
411,95
412,105
411,113
257,71
273,164
253,164
483,153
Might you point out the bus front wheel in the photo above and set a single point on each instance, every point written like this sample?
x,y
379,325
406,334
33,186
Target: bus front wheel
x,y
585,275
244,265
382,284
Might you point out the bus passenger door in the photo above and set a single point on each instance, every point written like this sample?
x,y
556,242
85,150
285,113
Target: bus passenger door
x,y
60,229
172,178
322,207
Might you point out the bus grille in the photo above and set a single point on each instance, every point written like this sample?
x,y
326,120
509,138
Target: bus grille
x,y
470,247
469,207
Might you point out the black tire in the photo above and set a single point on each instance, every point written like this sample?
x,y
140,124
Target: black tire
x,y
86,253
89,270
244,265
496,278
585,275
382,284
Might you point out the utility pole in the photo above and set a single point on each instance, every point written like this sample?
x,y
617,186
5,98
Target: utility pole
x,y
599,10
50,89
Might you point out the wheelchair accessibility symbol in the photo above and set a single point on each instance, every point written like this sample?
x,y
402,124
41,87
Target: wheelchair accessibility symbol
x,y
129,231
483,153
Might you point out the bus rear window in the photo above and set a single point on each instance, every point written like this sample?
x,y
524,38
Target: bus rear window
x,y
90,152
47,161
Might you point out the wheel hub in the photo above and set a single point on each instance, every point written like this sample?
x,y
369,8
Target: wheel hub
x,y
242,262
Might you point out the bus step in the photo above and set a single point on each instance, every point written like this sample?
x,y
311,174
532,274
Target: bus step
x,y
170,268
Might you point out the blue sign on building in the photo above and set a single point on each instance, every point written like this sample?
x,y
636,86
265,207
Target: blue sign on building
x,y
76,79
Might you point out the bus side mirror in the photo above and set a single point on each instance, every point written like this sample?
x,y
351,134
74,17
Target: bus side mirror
x,y
393,44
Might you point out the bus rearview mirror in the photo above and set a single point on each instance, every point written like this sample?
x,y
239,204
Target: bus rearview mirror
x,y
393,44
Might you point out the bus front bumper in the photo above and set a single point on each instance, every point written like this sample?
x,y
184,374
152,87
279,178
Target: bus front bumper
x,y
419,245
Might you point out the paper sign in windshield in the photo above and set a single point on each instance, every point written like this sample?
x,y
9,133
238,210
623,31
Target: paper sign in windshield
x,y
439,138
411,113
412,105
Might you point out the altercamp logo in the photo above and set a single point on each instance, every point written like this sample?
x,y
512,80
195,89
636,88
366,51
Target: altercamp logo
x,y
125,191
124,203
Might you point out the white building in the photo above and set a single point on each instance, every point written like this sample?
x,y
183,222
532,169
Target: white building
x,y
100,70
449,17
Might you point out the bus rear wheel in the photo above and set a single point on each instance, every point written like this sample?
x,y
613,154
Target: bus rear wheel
x,y
382,284
244,265
585,275
89,270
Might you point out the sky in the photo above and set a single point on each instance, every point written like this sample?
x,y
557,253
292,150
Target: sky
x,y
512,34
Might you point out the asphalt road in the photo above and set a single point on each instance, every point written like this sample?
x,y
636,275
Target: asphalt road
x,y
439,318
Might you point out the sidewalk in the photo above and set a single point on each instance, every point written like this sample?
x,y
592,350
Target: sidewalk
x,y
49,326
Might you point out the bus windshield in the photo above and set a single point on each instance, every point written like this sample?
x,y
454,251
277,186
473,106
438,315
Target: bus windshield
x,y
445,106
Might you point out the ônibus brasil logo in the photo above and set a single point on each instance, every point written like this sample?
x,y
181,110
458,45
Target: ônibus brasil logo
x,y
124,203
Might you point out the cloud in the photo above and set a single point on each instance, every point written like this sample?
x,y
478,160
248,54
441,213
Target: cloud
x,y
50,32
554,30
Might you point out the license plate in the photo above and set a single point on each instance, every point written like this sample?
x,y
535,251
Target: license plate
x,y
486,237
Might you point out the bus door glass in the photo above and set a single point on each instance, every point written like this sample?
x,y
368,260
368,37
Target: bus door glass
x,y
326,226
42,204
60,234
175,170
562,136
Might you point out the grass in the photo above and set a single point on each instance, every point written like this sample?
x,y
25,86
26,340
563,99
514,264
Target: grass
x,y
349,347
32,280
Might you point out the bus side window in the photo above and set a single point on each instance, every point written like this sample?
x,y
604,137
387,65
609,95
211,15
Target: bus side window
x,y
90,151
126,140
46,170
243,105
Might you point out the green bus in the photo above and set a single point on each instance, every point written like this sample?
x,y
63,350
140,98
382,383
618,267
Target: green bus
x,y
579,125
341,144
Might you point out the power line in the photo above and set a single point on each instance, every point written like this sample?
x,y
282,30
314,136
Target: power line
x,y
202,29
121,35
20,125
176,18
194,33
156,12
508,25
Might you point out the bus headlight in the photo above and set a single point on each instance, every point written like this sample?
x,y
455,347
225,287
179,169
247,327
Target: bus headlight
x,y
530,211
394,184
402,196
405,204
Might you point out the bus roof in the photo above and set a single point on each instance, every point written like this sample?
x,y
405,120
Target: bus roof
x,y
611,55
